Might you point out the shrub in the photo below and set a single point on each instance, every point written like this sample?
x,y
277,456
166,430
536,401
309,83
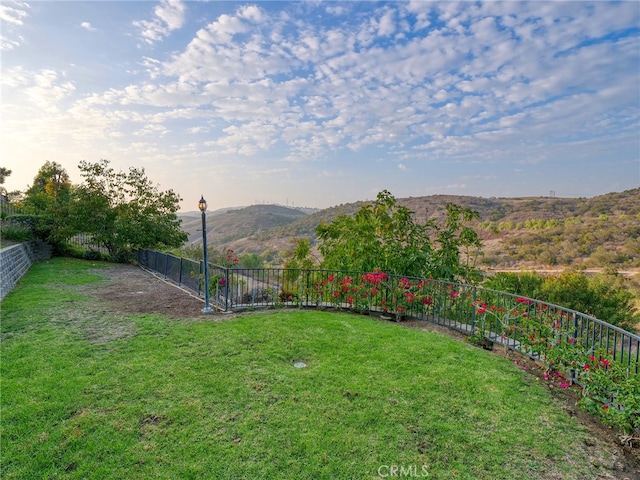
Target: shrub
x,y
92,254
15,232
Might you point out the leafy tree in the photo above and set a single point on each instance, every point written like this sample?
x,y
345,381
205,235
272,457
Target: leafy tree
x,y
384,235
47,202
453,237
300,256
124,211
603,296
4,173
251,260
526,284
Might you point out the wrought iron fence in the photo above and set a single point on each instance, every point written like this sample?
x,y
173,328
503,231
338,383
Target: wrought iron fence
x,y
530,326
85,242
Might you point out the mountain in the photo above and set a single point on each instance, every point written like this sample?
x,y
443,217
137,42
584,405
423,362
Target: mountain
x,y
517,232
228,225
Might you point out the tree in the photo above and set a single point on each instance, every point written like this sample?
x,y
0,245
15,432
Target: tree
x,y
124,211
453,237
47,202
4,173
603,296
384,235
300,257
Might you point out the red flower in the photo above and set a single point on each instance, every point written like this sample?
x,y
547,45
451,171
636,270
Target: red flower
x,y
605,407
427,300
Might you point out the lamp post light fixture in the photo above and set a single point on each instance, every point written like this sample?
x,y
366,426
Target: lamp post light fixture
x,y
202,206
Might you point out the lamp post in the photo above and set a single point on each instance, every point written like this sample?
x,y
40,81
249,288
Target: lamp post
x,y
202,206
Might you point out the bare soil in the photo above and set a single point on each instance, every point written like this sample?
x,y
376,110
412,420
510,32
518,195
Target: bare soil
x,y
131,290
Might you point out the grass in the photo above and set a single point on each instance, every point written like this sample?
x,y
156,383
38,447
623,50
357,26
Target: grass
x,y
223,399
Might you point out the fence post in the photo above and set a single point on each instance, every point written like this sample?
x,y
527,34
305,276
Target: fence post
x,y
200,270
473,310
180,274
166,265
226,289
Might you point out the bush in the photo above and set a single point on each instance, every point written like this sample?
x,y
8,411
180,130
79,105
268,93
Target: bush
x,y
122,257
92,254
15,232
526,284
603,296
611,392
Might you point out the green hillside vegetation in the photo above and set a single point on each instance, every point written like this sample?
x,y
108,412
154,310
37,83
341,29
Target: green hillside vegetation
x,y
235,224
528,232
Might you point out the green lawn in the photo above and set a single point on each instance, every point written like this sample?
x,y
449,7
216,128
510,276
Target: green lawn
x,y
223,399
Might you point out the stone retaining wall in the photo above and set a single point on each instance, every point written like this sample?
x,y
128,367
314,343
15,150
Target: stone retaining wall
x,y
16,260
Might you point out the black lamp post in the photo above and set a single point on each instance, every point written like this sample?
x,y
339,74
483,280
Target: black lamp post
x,y
202,206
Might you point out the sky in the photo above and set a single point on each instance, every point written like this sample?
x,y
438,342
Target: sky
x,y
315,104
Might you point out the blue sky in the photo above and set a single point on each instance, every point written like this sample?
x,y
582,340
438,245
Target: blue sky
x,y
322,103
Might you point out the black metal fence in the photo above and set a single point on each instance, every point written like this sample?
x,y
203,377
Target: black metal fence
x,y
529,326
85,242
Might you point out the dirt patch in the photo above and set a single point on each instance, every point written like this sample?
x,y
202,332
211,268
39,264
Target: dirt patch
x,y
131,290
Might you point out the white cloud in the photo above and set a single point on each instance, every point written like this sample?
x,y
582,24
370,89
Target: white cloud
x,y
252,13
14,15
494,82
87,26
168,16
386,25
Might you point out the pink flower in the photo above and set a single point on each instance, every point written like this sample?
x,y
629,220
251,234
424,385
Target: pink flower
x,y
572,340
564,384
586,366
524,300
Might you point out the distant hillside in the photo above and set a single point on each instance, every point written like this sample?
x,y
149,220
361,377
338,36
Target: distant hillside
x,y
518,232
234,224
